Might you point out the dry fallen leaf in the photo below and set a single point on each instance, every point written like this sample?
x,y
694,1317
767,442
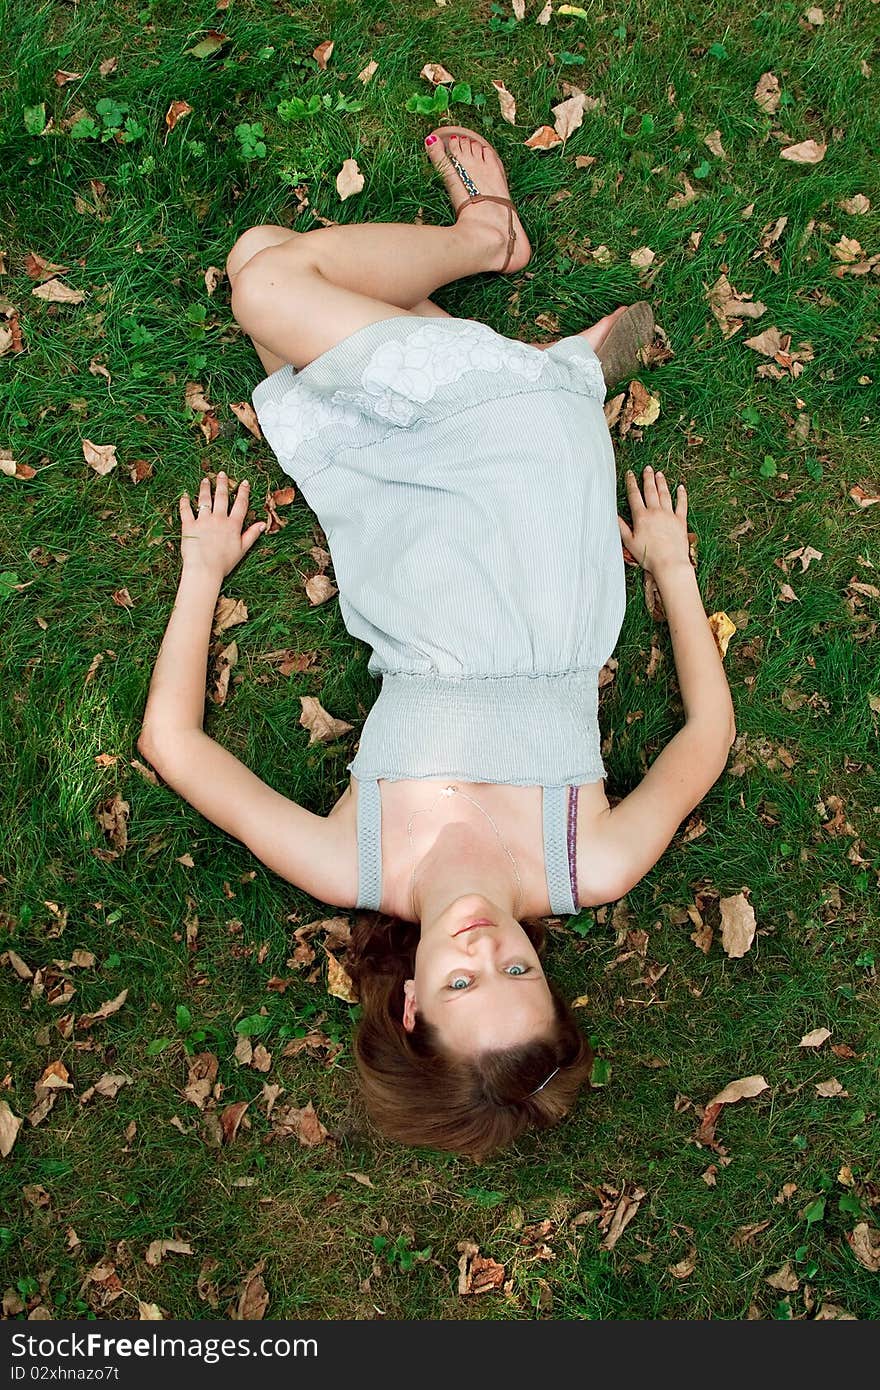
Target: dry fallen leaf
x,y
685,1268
349,180
506,102
339,982
569,114
366,73
784,1279
737,925
253,1299
477,1273
112,1006
436,74
245,412
713,143
623,1214
56,292
228,612
322,726
544,138
856,206
722,630
10,1124
767,93
745,1089
831,1087
729,307
101,457
319,589
322,53
304,1124
158,1249
807,152
816,1038
864,1242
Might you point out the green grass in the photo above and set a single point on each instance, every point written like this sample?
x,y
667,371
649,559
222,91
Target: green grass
x,y
70,539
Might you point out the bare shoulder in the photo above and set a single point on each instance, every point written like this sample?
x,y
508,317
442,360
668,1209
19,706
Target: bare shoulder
x,y
317,853
617,845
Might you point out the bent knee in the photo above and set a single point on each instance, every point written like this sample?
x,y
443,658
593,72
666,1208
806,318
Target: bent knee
x,y
252,241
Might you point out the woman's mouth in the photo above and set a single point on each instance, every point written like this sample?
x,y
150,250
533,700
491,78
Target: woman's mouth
x,y
480,922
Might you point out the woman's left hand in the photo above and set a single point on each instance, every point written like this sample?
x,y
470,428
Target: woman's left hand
x,y
212,540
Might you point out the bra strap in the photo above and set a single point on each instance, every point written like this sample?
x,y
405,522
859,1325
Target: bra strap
x,y
369,842
557,863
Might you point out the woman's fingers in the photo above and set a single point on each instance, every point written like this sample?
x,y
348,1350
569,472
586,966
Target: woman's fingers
x,y
632,491
649,486
186,511
221,494
242,501
663,489
681,502
626,534
205,492
252,534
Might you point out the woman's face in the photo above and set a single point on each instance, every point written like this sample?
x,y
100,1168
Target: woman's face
x,y
478,980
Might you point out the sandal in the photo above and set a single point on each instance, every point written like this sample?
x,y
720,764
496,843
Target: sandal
x,y
474,194
619,353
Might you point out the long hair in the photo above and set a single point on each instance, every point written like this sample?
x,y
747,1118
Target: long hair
x,y
418,1094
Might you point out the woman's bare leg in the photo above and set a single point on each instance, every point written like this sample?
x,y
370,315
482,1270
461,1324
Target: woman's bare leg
x,y
260,238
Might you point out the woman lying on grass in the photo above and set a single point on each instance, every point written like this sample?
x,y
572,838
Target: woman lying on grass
x,y
466,485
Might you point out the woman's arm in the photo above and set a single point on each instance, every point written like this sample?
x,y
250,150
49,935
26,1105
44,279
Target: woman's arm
x,y
639,828
311,851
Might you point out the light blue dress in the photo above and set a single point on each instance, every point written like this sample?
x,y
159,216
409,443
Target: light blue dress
x,y
467,488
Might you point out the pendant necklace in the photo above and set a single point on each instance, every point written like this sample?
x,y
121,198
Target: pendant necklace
x,y
456,791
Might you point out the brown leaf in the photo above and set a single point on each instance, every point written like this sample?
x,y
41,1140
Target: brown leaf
x,y
864,1242
737,925
304,1124
149,1312
816,1038
436,74
769,342
855,206
112,1006
10,1124
546,14
231,1118
322,727
22,970
101,457
506,102
722,630
806,152
745,1089
641,408
831,1087
366,73
569,115
642,258
109,1085
685,1268
349,180
229,612
682,200
767,93
122,598
477,1273
624,1212
175,111
339,982
544,138
319,588
244,411
713,143
253,1299
158,1249
202,1075
862,498
729,307
56,292
322,53
784,1279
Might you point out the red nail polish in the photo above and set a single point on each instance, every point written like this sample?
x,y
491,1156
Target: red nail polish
x,y
431,139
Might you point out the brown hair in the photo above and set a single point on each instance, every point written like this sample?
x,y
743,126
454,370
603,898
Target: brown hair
x,y
417,1094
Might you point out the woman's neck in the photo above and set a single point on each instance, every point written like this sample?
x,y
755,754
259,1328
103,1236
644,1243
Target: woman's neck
x,y
463,860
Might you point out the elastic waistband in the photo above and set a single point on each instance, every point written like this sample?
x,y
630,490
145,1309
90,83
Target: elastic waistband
x,y
524,730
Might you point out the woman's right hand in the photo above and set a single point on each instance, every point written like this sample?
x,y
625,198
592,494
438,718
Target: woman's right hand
x,y
658,537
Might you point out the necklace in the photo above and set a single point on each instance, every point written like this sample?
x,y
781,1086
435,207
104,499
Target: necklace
x,y
456,791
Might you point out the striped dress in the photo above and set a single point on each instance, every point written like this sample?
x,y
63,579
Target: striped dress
x,y
467,488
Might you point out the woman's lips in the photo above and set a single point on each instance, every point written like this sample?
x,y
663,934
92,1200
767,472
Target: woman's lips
x,y
481,922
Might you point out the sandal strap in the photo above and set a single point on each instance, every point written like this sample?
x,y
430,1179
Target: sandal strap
x,y
474,196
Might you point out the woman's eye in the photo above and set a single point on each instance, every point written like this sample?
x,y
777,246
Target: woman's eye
x,y
517,970
460,982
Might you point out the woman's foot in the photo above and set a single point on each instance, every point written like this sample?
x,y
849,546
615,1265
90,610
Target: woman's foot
x,y
491,222
617,338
